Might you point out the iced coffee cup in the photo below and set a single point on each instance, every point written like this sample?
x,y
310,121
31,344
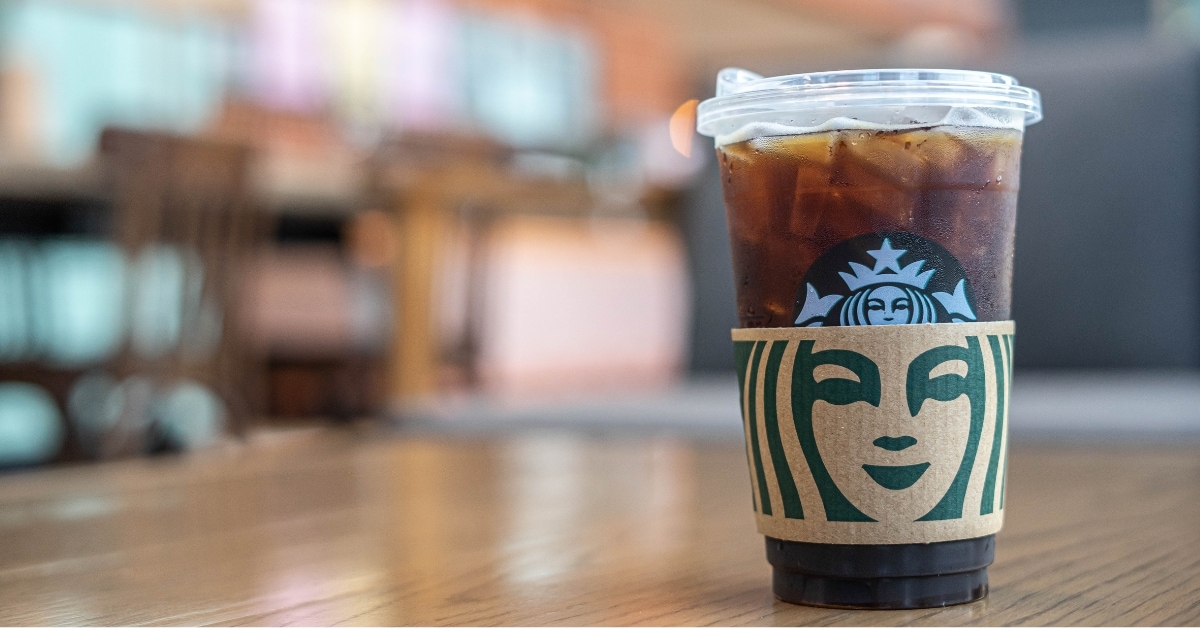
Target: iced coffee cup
x,y
872,215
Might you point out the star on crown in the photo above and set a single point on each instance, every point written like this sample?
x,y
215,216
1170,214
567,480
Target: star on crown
x,y
887,259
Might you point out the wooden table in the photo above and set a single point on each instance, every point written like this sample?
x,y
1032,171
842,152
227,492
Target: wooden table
x,y
333,528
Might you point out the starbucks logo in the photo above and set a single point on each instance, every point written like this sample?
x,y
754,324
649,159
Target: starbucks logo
x,y
888,278
903,426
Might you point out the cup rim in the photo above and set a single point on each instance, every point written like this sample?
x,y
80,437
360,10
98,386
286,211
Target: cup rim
x,y
742,94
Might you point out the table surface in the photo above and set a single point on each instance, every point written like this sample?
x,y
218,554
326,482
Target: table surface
x,y
336,528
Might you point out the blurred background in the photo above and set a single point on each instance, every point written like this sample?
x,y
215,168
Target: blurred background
x,y
222,216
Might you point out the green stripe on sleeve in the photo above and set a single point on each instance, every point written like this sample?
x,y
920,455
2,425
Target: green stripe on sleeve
x,y
792,509
764,495
989,484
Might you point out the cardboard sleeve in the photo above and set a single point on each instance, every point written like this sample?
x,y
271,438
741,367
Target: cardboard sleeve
x,y
877,435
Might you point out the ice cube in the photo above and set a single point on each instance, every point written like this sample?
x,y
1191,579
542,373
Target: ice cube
x,y
876,158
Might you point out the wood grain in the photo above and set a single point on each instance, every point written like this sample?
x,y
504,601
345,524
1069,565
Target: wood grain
x,y
333,528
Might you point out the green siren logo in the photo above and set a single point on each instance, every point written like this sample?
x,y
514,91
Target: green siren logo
x,y
877,424
889,278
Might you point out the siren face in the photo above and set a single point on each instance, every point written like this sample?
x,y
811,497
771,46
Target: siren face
x,y
842,227
889,305
892,464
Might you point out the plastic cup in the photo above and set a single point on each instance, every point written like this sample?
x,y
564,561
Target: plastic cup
x,y
872,216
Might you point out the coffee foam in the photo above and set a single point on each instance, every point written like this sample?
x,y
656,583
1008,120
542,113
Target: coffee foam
x,y
953,116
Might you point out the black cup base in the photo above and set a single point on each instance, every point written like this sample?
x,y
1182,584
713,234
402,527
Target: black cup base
x,y
919,575
881,593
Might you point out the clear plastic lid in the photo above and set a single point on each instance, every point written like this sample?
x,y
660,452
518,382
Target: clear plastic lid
x,y
902,97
